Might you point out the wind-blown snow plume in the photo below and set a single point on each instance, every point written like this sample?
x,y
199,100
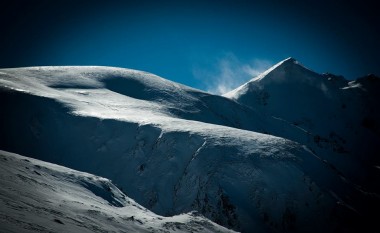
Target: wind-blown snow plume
x,y
229,72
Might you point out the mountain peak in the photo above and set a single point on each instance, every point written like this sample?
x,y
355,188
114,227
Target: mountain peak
x,y
287,64
288,70
289,60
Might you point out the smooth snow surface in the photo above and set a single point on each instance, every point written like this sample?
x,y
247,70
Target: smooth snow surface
x,y
278,154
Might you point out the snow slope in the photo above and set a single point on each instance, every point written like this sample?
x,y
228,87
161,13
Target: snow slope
x,y
37,196
340,120
124,94
175,149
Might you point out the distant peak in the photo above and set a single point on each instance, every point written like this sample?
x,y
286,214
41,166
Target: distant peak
x,y
288,62
289,59
280,72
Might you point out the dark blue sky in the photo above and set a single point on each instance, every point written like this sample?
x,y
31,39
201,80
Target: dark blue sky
x,y
193,42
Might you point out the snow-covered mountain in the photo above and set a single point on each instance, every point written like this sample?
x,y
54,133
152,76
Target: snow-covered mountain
x,y
337,119
268,156
42,197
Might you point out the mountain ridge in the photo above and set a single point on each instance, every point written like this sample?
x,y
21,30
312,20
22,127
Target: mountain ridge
x,y
333,111
172,148
287,70
72,201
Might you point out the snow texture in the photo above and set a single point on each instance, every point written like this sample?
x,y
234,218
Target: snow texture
x,y
289,151
42,197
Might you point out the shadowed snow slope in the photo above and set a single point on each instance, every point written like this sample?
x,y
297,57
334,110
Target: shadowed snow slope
x,y
340,120
175,149
42,197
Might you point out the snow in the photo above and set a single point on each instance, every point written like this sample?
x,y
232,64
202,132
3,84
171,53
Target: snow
x,y
325,111
249,162
42,197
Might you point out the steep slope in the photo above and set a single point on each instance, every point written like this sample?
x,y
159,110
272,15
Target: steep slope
x,y
41,197
337,119
166,146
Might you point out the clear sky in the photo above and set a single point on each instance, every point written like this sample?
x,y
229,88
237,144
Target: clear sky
x,y
210,45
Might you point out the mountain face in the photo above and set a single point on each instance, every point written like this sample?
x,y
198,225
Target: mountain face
x,y
289,151
339,119
58,199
